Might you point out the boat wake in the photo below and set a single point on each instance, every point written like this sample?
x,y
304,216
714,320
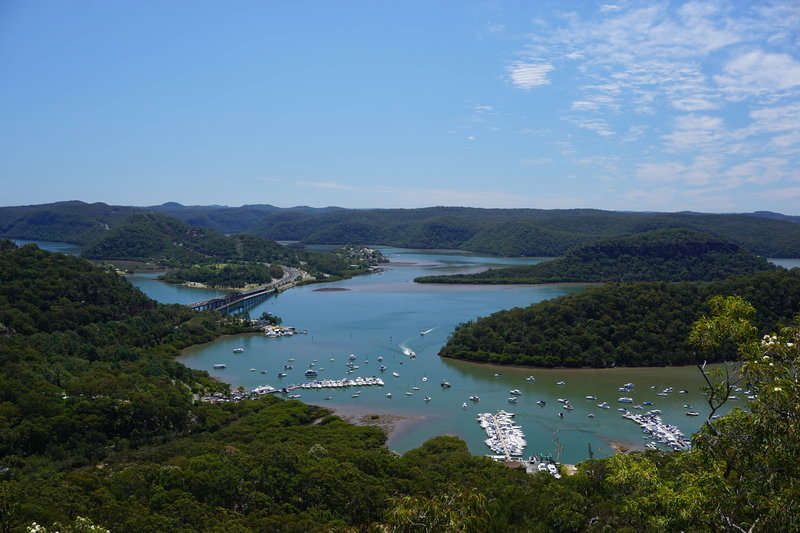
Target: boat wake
x,y
408,351
426,331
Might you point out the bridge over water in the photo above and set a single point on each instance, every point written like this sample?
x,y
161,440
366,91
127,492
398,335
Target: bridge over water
x,y
239,299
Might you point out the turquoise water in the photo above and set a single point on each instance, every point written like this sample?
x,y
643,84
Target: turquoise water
x,y
378,315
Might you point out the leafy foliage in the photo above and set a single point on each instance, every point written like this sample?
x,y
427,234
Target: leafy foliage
x,y
626,324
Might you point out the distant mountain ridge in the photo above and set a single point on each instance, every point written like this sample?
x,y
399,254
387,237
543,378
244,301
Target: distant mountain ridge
x,y
505,232
658,255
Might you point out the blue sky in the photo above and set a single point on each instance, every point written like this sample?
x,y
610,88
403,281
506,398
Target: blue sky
x,y
664,106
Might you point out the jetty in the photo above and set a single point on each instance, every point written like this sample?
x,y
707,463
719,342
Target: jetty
x,y
656,429
505,437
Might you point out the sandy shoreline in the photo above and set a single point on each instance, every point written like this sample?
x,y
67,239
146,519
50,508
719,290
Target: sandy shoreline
x,y
392,424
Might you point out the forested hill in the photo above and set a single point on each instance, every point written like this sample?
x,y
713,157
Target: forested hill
x,y
658,255
505,232
148,236
625,324
100,431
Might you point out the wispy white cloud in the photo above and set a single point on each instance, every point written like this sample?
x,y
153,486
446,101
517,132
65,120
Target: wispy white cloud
x,y
271,180
758,73
323,185
529,75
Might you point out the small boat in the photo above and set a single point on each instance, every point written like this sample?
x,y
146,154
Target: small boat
x,y
541,402
355,395
512,399
561,400
380,358
647,403
692,413
282,375
220,365
291,359
591,397
629,386
328,398
561,383
395,374
263,371
568,407
590,415
603,405
651,445
497,375
625,399
515,392
427,398
683,391
238,350
311,373
475,398
414,388
464,405
252,370
445,384
531,379
287,367
388,394
382,368
293,396
424,379
409,393
352,357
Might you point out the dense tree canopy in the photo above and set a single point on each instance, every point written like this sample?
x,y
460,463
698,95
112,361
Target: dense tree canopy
x,y
658,255
99,430
619,324
507,232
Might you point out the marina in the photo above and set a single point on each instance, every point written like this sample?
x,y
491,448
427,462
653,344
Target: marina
x,y
655,428
505,436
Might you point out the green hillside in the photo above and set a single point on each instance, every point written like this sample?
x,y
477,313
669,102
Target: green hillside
x,y
618,324
658,255
101,430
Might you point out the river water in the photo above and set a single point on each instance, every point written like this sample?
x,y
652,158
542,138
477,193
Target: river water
x,y
380,315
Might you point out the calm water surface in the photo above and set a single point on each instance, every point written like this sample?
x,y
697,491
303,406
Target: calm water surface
x,y
380,315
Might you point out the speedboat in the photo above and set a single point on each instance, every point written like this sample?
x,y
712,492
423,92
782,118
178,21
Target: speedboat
x,y
409,393
603,405
395,374
515,392
541,402
427,398
445,384
531,379
388,394
382,368
475,398
512,399
252,370
311,373
263,371
282,375
561,383
220,365
414,388
238,350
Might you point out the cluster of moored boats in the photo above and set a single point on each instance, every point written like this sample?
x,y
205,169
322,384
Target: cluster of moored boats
x,y
505,436
657,430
